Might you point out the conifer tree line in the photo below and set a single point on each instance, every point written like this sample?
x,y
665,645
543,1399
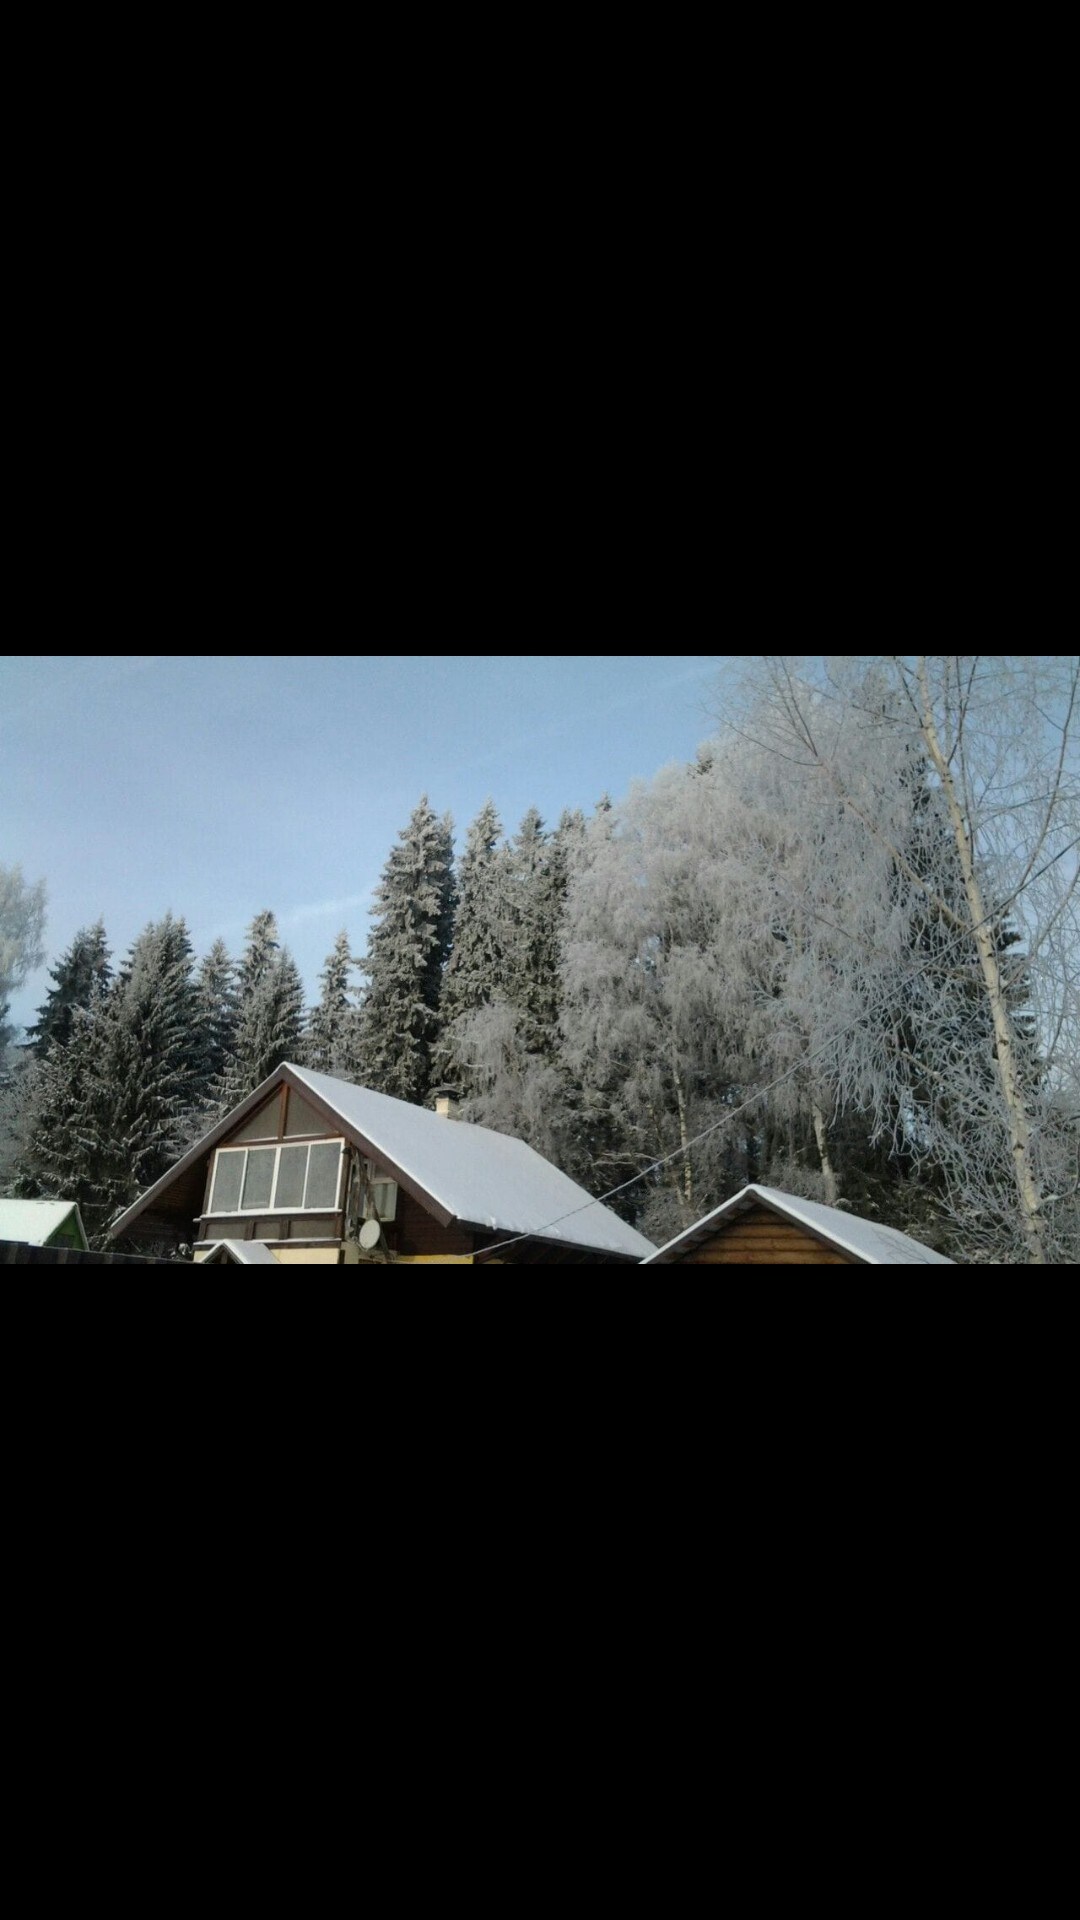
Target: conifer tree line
x,y
835,954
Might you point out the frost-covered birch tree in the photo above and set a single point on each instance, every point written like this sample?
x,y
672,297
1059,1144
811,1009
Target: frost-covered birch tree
x,y
653,1010
950,1012
22,922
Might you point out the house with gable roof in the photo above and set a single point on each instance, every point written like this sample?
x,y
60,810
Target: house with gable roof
x,y
319,1171
762,1227
43,1223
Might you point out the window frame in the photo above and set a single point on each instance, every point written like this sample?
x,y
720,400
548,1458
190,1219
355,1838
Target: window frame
x,y
370,1184
275,1147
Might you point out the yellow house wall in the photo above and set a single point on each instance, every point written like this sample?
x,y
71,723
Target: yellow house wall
x,y
307,1256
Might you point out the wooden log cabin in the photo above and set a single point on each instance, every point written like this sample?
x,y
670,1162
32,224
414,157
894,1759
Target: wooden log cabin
x,y
311,1170
761,1227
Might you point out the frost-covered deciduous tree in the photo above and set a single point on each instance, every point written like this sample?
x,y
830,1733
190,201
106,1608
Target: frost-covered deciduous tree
x,y
818,949
653,1011
22,922
952,786
398,1025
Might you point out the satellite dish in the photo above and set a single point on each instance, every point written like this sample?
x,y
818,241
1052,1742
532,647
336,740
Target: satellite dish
x,y
370,1235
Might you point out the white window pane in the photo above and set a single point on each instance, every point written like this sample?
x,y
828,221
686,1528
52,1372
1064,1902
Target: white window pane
x,y
259,1177
292,1166
227,1177
322,1180
385,1196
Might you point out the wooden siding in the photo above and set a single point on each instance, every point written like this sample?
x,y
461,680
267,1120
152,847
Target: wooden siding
x,y
414,1231
67,1235
303,1119
270,1226
263,1125
760,1238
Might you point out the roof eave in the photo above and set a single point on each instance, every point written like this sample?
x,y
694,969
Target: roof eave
x,y
195,1153
291,1077
752,1196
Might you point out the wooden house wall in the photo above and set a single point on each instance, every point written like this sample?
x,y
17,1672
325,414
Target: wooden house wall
x,y
414,1231
760,1238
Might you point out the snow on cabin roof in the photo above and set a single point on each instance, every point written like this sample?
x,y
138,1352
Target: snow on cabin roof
x,y
34,1221
485,1178
246,1253
878,1246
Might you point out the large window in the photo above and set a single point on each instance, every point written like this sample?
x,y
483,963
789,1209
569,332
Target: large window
x,y
281,1179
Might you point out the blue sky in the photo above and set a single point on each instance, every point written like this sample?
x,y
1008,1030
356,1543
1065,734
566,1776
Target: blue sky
x,y
217,786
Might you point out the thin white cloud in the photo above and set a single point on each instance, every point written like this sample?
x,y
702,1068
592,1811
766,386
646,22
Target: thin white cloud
x,y
593,713
322,909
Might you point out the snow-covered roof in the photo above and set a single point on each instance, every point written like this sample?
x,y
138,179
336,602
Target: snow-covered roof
x,y
246,1253
486,1179
35,1221
473,1175
876,1245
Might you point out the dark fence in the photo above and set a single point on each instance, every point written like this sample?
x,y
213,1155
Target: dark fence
x,y
19,1253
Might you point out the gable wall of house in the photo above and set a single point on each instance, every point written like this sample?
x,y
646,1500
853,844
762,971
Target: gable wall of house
x,y
67,1234
760,1238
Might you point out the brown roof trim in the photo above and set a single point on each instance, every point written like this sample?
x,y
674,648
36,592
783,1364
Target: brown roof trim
x,y
368,1148
237,1115
733,1209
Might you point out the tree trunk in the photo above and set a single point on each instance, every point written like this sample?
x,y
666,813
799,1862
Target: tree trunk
x,y
688,1177
822,1138
1012,1092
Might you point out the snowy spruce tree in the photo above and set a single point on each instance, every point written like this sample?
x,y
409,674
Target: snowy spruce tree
x,y
512,1070
77,977
398,1026
270,1024
330,1038
107,1110
537,888
217,1016
56,1134
217,1009
475,970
